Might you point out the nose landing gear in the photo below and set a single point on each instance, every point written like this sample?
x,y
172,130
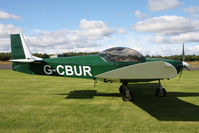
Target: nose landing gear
x,y
160,91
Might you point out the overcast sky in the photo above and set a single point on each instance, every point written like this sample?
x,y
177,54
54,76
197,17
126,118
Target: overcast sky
x,y
154,27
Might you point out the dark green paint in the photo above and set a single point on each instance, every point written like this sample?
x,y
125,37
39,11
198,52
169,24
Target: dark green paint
x,y
21,67
16,47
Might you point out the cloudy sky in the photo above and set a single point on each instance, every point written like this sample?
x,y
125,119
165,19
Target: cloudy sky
x,y
154,27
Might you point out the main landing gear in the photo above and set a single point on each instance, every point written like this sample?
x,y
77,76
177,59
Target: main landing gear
x,y
126,94
160,91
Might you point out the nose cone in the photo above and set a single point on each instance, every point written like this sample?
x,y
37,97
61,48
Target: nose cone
x,y
186,65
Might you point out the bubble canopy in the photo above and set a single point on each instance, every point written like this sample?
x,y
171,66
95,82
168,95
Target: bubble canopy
x,y
121,54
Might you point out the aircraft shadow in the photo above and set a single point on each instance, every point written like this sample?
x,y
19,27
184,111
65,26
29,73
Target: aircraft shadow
x,y
87,94
169,108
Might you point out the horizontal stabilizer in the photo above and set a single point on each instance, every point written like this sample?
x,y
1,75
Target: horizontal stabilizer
x,y
22,60
33,59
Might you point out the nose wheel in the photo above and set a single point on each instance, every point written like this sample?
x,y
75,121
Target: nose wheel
x,y
126,94
160,91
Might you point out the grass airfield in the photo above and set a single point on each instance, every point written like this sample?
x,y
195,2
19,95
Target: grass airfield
x,y
55,104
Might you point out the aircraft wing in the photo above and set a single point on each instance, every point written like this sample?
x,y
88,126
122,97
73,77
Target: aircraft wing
x,y
147,70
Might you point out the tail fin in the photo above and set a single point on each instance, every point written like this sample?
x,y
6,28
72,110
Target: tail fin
x,y
21,55
20,50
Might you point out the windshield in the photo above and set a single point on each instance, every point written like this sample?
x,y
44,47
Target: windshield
x,y
121,54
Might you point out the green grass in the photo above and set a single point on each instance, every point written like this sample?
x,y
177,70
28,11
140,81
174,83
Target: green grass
x,y
54,104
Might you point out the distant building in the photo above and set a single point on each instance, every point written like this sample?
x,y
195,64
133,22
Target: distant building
x,y
54,56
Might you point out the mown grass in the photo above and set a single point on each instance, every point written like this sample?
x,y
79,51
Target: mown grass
x,y
54,104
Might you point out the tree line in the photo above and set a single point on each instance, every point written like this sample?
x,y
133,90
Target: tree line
x,y
177,57
7,56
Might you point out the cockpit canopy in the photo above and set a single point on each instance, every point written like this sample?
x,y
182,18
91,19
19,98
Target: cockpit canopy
x,y
121,54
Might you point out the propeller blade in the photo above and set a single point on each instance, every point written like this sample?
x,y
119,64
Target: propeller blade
x,y
185,64
183,58
180,74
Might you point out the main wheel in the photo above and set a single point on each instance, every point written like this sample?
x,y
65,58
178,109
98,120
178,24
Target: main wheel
x,y
127,96
161,92
122,89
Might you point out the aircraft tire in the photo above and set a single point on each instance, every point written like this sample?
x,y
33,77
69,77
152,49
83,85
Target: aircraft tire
x,y
121,89
161,92
129,98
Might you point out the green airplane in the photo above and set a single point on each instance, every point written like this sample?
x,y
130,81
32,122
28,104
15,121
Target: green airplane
x,y
115,64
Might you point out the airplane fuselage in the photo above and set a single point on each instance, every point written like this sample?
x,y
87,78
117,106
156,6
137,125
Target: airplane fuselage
x,y
80,66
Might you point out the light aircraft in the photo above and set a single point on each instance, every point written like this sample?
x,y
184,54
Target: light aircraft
x,y
115,64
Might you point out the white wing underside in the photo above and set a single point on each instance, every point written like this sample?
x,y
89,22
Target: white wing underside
x,y
147,70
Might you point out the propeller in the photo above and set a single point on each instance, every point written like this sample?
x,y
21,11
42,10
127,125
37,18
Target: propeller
x,y
184,64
